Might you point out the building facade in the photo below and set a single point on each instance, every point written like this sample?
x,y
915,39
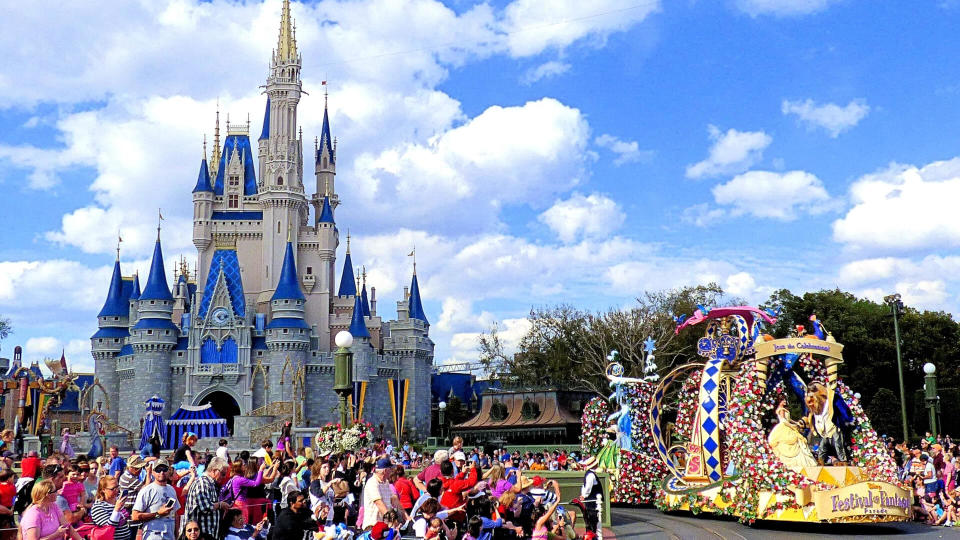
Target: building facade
x,y
253,327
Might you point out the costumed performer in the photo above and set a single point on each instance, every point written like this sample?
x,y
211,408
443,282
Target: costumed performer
x,y
65,447
608,458
788,444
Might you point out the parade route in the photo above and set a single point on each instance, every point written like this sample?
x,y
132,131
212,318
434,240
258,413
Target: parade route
x,y
650,523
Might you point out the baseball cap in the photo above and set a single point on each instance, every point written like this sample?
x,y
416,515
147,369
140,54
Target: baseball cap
x,y
538,481
161,465
136,462
459,456
384,463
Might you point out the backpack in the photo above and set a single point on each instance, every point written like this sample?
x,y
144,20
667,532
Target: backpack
x,y
226,492
23,498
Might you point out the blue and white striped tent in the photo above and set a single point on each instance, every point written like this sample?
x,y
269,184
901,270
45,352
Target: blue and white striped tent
x,y
200,419
153,422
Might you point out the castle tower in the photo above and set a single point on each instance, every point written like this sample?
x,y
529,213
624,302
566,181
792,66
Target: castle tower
x,y
152,338
106,343
287,335
326,167
203,197
134,304
281,193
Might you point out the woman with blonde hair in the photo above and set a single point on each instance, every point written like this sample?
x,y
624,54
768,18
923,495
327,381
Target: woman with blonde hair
x,y
44,520
108,510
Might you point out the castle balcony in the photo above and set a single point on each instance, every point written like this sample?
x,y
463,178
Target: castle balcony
x,y
217,369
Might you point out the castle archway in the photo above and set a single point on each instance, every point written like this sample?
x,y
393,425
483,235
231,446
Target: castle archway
x,y
224,405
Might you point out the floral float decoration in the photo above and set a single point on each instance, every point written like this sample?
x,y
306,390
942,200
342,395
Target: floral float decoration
x,y
828,465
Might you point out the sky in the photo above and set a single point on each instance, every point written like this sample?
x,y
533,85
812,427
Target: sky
x,y
535,152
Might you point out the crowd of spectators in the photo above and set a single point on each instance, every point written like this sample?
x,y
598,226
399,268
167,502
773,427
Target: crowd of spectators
x,y
281,492
931,468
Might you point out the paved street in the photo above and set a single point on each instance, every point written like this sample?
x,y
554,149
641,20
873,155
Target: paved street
x,y
650,524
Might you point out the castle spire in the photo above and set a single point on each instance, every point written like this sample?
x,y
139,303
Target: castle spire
x,y
287,41
414,304
364,300
203,177
157,287
288,287
135,295
347,285
265,132
358,328
326,215
215,154
114,306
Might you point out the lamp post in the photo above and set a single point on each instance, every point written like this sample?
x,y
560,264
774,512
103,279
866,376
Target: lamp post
x,y
343,374
930,393
896,307
442,407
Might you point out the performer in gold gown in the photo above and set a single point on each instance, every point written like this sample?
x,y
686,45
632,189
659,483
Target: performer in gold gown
x,y
788,444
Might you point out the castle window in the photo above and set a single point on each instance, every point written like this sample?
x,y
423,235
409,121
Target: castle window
x,y
234,180
149,332
284,330
166,332
324,162
116,318
278,227
180,354
116,340
286,301
234,201
279,180
309,270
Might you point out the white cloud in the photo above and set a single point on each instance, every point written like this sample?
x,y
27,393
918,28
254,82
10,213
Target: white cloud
x,y
627,151
829,116
903,208
731,152
869,270
782,8
930,294
765,194
536,25
593,216
506,155
545,70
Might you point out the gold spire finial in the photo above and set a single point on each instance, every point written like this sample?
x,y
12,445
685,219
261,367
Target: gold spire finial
x,y
215,154
204,146
358,282
287,42
159,219
119,239
348,241
364,275
289,232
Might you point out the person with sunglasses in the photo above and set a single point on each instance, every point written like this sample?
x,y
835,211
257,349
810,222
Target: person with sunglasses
x,y
156,505
108,510
192,532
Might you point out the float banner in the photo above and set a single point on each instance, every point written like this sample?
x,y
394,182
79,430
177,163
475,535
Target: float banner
x,y
863,499
798,346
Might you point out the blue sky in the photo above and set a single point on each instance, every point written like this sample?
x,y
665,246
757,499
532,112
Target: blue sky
x,y
535,151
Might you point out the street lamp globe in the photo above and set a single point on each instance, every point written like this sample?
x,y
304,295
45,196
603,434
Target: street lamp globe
x,y
344,339
929,368
442,405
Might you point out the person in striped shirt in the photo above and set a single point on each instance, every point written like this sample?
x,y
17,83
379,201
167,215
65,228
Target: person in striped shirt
x,y
108,510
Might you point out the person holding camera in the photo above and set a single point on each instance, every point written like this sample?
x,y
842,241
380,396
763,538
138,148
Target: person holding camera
x,y
108,510
156,505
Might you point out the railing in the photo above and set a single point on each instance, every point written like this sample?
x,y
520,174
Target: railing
x,y
275,408
264,431
110,427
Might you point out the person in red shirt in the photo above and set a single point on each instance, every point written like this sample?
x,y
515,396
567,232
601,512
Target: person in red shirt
x,y
7,492
30,465
455,486
407,492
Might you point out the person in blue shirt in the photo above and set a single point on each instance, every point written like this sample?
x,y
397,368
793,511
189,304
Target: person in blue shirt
x,y
117,463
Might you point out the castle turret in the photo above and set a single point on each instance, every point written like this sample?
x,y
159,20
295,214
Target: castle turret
x,y
325,167
288,334
203,198
134,303
152,338
106,343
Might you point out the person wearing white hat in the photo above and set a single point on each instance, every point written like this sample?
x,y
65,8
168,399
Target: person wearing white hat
x,y
591,494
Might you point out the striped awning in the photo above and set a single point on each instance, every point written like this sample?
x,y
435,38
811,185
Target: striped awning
x,y
200,419
153,421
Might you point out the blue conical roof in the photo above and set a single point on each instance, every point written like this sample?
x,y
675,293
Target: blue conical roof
x,y
135,294
364,301
358,328
265,132
414,304
157,287
203,178
288,288
347,286
326,142
326,214
115,306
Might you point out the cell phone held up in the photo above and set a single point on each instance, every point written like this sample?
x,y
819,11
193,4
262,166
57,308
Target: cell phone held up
x,y
170,503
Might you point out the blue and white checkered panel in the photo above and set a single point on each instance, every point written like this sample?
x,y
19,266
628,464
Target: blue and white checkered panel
x,y
709,417
744,337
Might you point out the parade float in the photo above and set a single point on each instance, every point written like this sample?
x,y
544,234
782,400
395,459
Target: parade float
x,y
615,431
735,449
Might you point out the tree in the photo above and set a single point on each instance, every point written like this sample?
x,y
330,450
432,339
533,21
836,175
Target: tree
x,y
568,348
6,328
884,413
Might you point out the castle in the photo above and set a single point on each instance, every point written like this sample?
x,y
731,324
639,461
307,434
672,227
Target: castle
x,y
252,330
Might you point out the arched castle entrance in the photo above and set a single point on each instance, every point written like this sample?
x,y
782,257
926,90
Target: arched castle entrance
x,y
224,405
